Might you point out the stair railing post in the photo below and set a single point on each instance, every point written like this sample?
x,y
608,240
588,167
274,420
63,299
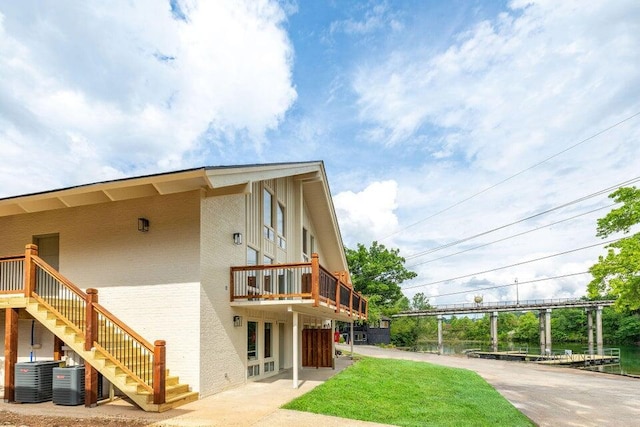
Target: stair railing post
x,y
91,319
315,279
159,371
30,270
90,336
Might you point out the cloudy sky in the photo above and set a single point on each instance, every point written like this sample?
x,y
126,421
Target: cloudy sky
x,y
437,121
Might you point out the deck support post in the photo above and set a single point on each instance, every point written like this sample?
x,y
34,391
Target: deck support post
x,y
440,346
351,338
599,329
494,330
10,353
547,329
589,312
333,344
296,361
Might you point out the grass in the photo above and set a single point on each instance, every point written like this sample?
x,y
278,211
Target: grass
x,y
409,393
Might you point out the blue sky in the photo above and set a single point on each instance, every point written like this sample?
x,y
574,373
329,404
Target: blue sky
x,y
414,106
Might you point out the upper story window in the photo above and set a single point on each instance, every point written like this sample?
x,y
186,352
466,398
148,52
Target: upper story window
x,y
252,256
305,246
267,214
282,242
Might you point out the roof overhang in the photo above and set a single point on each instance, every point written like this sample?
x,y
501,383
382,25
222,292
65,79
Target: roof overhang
x,y
214,181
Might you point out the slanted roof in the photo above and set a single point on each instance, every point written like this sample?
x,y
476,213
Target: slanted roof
x,y
215,180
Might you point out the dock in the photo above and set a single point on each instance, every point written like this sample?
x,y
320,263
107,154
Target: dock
x,y
567,358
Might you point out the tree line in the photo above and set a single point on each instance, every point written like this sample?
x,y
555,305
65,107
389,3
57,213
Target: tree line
x,y
567,325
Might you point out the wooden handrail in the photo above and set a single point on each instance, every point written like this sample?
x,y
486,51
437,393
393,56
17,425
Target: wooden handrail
x,y
119,323
11,258
59,277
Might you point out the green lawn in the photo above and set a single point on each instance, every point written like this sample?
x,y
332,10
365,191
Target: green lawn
x,y
409,393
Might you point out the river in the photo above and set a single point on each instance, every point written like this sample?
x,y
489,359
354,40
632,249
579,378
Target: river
x,y
629,354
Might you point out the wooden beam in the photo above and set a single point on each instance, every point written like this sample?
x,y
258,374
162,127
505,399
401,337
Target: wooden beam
x,y
10,352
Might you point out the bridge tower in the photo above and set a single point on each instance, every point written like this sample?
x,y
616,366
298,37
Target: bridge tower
x,y
545,330
598,315
494,331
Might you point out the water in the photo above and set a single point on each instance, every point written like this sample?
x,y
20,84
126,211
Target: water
x,y
629,354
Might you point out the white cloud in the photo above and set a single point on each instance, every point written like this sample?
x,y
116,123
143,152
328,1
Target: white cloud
x,y
98,91
368,213
507,94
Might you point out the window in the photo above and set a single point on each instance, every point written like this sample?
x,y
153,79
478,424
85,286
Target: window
x,y
252,340
312,244
269,367
253,371
305,249
280,223
267,215
268,327
252,256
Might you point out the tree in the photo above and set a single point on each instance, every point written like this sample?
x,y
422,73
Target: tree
x,y
378,271
618,273
420,302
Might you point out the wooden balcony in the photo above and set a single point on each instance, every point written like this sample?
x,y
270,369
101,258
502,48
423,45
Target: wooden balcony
x,y
306,284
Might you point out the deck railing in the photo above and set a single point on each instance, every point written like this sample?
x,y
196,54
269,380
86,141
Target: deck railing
x,y
12,274
299,281
80,310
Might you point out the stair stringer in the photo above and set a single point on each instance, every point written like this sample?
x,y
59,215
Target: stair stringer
x,y
176,394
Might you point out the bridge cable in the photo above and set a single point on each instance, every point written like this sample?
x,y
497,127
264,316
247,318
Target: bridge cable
x,y
564,205
512,265
505,286
512,236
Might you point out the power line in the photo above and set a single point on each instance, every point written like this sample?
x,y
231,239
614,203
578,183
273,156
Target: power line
x,y
512,236
504,286
512,176
512,265
564,205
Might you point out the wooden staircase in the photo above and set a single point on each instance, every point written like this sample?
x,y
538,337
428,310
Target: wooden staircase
x,y
130,363
176,393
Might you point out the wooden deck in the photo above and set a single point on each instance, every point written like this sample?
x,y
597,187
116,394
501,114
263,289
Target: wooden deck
x,y
567,359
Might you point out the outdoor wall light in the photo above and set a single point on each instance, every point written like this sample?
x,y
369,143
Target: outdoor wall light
x,y
237,238
143,225
237,320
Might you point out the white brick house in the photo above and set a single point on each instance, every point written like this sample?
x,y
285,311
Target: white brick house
x,y
176,281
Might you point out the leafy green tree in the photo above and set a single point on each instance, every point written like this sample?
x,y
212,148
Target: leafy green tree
x,y
420,302
528,328
378,271
618,273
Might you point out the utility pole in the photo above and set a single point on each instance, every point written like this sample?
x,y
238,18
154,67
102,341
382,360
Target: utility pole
x,y
517,293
